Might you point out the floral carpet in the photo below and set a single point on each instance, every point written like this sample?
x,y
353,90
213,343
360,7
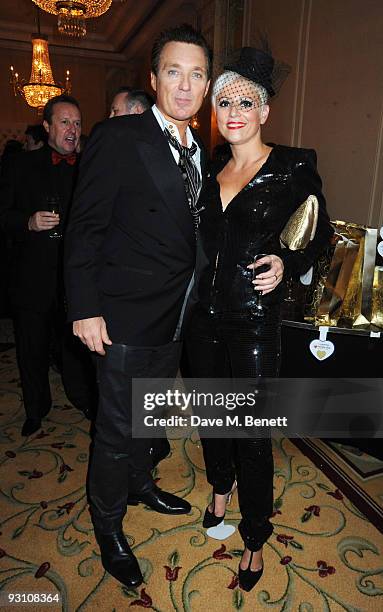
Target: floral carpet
x,y
323,555
356,473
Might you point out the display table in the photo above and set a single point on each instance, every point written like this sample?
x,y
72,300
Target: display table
x,y
356,354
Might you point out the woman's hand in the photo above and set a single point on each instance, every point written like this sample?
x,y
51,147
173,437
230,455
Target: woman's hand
x,y
267,281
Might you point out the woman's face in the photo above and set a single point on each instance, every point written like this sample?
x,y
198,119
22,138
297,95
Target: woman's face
x,y
240,112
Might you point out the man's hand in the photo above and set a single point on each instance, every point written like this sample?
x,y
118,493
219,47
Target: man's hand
x,y
92,332
43,220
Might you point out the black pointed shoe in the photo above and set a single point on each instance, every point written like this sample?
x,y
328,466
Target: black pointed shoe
x,y
210,519
160,501
118,559
249,578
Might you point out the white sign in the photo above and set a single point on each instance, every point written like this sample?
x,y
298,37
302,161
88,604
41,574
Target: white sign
x,y
322,349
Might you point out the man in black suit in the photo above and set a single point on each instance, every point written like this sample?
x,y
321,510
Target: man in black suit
x,y
130,256
36,181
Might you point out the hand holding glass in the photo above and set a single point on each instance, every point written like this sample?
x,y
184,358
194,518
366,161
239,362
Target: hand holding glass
x,y
53,206
259,310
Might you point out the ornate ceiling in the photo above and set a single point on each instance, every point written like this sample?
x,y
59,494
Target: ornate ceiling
x,y
112,33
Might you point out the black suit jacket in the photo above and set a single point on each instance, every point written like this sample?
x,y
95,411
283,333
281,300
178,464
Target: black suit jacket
x,y
35,257
130,242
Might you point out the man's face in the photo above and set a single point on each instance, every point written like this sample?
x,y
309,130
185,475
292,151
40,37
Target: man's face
x,y
119,105
181,83
65,129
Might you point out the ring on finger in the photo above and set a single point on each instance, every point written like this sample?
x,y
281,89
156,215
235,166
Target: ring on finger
x,y
276,277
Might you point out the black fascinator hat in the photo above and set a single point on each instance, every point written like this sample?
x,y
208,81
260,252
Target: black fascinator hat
x,y
255,65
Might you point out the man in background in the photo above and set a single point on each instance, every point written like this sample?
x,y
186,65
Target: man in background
x,y
35,137
35,196
128,101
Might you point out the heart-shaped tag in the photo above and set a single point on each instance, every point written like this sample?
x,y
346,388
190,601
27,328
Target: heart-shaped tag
x,y
221,531
322,349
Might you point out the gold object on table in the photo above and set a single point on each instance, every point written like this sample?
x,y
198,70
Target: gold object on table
x,y
349,287
337,281
377,297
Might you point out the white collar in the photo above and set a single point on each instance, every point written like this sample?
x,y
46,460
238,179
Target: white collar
x,y
173,129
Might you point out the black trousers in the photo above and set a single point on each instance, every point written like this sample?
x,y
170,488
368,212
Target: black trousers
x,y
120,463
233,346
35,334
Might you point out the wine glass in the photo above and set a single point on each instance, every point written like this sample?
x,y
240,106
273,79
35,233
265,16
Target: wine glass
x,y
259,310
290,295
53,206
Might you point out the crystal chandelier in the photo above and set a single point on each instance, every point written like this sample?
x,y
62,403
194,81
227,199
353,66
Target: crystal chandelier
x,y
73,13
41,86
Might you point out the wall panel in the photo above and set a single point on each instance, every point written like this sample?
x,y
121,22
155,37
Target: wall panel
x,y
333,98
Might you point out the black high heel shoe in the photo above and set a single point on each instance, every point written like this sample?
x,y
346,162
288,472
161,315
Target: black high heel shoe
x,y
248,578
212,520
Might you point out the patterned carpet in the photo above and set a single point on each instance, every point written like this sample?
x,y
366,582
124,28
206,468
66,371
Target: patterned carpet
x,y
358,474
323,555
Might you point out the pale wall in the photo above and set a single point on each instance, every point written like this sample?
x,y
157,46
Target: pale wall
x,y
333,99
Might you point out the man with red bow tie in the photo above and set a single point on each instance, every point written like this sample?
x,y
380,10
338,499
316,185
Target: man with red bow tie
x,y
39,180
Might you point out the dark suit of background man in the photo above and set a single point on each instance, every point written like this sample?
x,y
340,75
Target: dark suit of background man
x,y
36,292
130,256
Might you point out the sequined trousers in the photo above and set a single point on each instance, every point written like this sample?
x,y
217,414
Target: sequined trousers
x,y
232,345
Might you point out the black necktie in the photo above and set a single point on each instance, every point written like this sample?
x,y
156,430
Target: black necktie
x,y
190,174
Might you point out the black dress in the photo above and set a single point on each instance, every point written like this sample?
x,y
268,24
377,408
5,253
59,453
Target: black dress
x,y
222,340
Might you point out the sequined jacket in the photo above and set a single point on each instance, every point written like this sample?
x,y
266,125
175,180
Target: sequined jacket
x,y
252,223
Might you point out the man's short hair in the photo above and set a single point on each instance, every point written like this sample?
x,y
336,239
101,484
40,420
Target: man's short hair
x,y
48,108
139,96
37,132
184,33
124,89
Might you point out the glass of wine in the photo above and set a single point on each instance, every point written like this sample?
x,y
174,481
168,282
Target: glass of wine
x,y
258,309
53,206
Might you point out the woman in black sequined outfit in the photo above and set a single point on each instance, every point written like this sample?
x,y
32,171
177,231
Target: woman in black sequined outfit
x,y
248,199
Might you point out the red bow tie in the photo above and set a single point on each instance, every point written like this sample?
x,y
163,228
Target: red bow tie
x,y
57,158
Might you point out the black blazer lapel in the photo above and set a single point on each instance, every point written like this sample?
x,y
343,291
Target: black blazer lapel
x,y
157,157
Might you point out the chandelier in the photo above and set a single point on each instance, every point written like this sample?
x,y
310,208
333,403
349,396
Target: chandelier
x,y
41,86
72,13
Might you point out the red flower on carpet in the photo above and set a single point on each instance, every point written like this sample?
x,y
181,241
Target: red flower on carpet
x,y
284,539
44,504
315,510
2,553
234,582
44,567
286,560
67,507
172,573
335,494
155,480
145,600
221,554
275,513
324,569
65,468
40,435
35,474
10,454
